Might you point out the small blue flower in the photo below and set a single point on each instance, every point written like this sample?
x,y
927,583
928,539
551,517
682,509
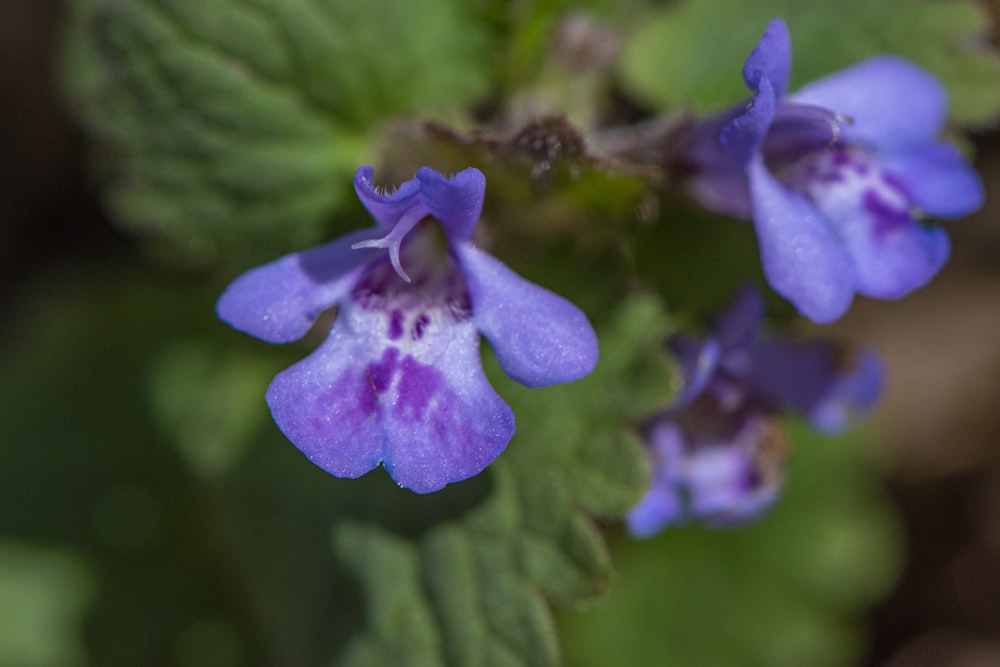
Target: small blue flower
x,y
399,380
836,177
717,451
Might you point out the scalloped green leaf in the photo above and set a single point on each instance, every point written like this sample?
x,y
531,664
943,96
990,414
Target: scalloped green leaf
x,y
669,63
234,127
488,578
401,628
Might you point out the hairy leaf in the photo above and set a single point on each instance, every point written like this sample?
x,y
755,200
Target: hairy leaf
x,y
233,127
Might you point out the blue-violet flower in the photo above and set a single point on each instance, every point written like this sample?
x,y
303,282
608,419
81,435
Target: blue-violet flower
x,y
717,451
836,176
399,380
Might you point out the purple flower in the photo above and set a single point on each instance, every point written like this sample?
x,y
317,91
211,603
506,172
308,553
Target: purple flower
x,y
399,380
717,451
836,177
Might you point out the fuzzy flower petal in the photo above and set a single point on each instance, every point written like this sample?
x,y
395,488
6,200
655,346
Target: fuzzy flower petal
x,y
770,60
744,136
812,378
835,177
386,208
849,394
889,102
278,302
355,403
893,254
938,180
662,504
539,337
457,201
399,381
802,258
737,327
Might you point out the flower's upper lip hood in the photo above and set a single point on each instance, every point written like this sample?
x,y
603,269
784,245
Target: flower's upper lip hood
x,y
455,202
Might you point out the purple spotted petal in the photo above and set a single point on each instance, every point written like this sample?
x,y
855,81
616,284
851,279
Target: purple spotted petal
x,y
278,302
744,136
386,208
771,59
456,202
425,411
892,103
937,179
802,258
893,254
539,337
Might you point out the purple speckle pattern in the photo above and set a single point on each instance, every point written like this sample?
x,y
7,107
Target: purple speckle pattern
x,y
886,218
399,381
395,325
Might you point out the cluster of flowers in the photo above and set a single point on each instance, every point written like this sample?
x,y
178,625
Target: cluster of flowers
x,y
832,178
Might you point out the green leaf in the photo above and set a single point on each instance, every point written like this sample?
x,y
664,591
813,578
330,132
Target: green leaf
x,y
233,128
43,596
690,53
401,629
208,401
488,576
788,590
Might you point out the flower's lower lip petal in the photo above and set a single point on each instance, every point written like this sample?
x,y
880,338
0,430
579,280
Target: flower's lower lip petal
x,y
893,254
325,405
802,258
892,102
359,401
278,302
937,179
539,337
444,422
